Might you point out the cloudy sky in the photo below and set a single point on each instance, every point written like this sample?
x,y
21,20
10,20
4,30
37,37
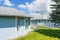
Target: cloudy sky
x,y
28,6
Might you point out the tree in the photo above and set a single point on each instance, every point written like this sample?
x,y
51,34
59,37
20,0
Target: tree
x,y
55,15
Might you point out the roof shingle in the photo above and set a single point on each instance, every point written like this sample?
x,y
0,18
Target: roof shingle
x,y
6,11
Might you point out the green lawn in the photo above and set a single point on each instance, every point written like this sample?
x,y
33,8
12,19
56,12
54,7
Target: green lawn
x,y
42,34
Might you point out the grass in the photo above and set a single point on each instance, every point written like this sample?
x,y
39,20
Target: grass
x,y
42,34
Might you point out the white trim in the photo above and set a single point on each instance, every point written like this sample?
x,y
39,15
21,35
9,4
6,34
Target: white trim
x,y
16,26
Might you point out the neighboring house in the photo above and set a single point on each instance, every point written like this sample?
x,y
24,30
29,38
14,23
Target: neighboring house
x,y
13,23
40,20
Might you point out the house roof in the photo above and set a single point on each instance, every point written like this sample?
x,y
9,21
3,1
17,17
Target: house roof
x,y
40,16
6,11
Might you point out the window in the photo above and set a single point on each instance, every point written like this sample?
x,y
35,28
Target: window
x,y
18,23
27,23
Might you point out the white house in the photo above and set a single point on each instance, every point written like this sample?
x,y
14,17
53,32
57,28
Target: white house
x,y
41,20
13,23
